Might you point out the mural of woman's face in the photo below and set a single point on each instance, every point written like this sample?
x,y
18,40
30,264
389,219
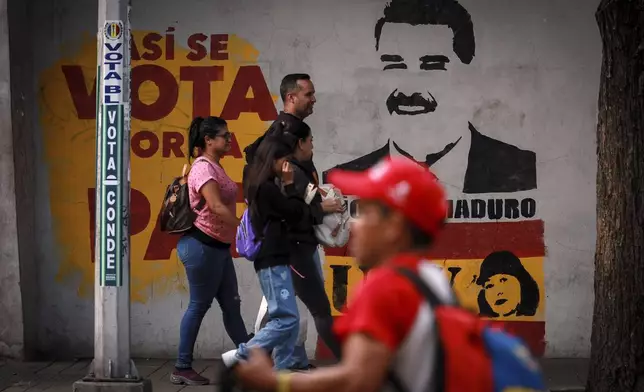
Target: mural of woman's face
x,y
503,294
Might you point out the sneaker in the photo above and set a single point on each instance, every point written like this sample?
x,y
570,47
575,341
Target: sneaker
x,y
229,358
188,377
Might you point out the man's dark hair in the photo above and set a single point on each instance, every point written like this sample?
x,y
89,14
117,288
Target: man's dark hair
x,y
433,12
289,83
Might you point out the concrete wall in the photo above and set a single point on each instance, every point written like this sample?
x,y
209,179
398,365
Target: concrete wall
x,y
23,96
521,113
18,270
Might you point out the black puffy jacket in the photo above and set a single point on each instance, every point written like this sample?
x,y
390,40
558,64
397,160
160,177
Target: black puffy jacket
x,y
303,174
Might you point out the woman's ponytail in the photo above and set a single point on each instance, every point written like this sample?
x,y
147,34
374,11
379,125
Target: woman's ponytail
x,y
194,139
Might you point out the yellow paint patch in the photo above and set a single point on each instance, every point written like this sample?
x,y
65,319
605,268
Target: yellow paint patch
x,y
70,155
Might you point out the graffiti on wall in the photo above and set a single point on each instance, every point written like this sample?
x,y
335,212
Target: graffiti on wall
x,y
493,249
171,83
495,269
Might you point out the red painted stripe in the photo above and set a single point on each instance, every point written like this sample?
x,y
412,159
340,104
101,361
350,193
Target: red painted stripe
x,y
477,240
532,332
240,193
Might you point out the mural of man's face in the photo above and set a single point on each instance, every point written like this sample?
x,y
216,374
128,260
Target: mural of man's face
x,y
415,52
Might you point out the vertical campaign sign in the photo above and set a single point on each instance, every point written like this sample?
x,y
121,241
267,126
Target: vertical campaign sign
x,y
111,120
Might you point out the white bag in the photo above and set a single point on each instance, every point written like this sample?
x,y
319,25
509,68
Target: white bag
x,y
334,229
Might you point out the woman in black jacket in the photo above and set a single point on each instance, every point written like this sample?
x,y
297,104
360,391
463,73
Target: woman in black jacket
x,y
271,212
303,244
306,269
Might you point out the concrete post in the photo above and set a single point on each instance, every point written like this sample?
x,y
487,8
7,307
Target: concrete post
x,y
11,319
112,367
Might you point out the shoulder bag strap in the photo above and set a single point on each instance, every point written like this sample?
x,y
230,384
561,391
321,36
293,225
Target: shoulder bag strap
x,y
185,173
421,286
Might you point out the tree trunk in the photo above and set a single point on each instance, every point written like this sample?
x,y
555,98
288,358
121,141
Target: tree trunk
x,y
617,351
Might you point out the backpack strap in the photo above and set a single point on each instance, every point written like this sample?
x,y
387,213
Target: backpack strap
x,y
201,204
185,173
421,286
434,301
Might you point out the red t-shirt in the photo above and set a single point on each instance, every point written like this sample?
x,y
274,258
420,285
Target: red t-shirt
x,y
389,309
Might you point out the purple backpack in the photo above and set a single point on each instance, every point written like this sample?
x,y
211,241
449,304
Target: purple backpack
x,y
247,243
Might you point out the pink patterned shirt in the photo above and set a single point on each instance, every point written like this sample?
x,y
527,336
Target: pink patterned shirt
x,y
207,221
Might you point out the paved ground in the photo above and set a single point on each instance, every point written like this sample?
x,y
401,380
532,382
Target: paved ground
x,y
561,375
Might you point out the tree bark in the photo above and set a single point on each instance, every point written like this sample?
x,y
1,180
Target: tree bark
x,y
617,350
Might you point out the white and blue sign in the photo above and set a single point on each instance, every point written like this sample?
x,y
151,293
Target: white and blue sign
x,y
111,122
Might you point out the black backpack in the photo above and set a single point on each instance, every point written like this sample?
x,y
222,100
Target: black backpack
x,y
176,216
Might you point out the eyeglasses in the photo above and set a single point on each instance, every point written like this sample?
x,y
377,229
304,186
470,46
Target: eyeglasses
x,y
226,135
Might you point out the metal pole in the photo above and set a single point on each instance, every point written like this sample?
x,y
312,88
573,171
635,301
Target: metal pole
x,y
112,278
112,284
112,366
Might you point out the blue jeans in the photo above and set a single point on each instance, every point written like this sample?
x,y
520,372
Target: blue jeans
x,y
280,332
211,274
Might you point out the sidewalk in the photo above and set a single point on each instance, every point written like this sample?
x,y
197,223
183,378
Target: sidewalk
x,y
561,374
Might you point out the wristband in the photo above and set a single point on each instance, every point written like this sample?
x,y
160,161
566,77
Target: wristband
x,y
283,382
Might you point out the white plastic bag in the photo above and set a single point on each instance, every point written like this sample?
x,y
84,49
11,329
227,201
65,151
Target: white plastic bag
x,y
334,229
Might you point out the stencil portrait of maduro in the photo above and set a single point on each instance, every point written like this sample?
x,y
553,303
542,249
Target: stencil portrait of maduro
x,y
421,42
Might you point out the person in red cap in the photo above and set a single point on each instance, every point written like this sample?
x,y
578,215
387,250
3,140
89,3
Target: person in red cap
x,y
387,327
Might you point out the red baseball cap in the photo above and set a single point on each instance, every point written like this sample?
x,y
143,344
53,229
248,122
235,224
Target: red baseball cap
x,y
402,185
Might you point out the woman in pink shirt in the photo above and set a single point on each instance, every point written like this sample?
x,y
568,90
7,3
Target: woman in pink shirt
x,y
205,249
